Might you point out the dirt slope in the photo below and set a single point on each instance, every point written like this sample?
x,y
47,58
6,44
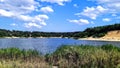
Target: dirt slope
x,y
113,35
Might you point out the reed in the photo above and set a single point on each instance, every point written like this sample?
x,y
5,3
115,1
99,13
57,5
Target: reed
x,y
16,58
66,56
85,56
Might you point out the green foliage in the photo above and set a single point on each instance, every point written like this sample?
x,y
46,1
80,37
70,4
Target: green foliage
x,y
66,56
109,47
17,58
15,53
101,30
95,32
85,56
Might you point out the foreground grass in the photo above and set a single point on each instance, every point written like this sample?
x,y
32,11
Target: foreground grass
x,y
21,64
16,58
106,56
83,56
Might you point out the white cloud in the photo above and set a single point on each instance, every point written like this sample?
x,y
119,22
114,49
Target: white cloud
x,y
1,0
46,9
13,24
107,1
21,10
75,5
38,20
5,13
112,5
104,7
106,19
29,25
59,2
80,21
24,17
19,6
92,12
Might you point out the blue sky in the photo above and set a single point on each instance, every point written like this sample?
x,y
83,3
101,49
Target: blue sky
x,y
57,15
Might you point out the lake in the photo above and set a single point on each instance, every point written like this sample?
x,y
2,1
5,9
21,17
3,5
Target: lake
x,y
47,45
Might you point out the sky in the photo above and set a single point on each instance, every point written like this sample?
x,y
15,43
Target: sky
x,y
57,15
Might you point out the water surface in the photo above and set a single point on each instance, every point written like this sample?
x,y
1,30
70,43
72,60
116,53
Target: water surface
x,y
47,45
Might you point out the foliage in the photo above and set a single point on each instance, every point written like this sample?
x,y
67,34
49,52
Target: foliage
x,y
95,32
18,58
85,56
15,53
66,56
22,64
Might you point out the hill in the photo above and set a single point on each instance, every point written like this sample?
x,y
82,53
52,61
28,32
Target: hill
x,y
95,32
109,36
115,35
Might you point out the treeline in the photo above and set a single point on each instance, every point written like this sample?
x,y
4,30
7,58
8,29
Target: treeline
x,y
94,32
97,31
15,33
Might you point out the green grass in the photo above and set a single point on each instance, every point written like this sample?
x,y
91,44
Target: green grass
x,y
66,56
16,58
15,53
106,56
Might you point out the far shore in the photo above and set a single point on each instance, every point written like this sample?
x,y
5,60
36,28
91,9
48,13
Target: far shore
x,y
89,38
32,37
101,39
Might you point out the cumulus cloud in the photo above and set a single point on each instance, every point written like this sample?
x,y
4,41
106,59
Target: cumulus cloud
x,y
80,21
31,24
21,10
19,6
46,9
36,21
111,5
6,13
59,2
106,19
92,12
103,7
13,24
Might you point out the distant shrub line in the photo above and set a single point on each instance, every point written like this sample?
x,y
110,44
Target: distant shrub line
x,y
99,31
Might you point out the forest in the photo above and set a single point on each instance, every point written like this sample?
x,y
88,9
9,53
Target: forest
x,y
99,31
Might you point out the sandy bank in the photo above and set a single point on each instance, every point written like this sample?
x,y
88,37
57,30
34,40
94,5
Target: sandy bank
x,y
100,39
110,36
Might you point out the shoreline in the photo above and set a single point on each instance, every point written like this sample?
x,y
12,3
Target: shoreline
x,y
100,39
31,37
89,38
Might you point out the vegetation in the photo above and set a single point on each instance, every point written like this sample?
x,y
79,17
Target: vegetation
x,y
16,58
106,56
94,32
97,31
66,56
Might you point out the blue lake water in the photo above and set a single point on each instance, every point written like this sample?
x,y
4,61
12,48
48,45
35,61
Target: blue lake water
x,y
47,45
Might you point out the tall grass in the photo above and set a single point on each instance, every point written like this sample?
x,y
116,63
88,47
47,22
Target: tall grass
x,y
15,53
82,56
106,56
16,58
